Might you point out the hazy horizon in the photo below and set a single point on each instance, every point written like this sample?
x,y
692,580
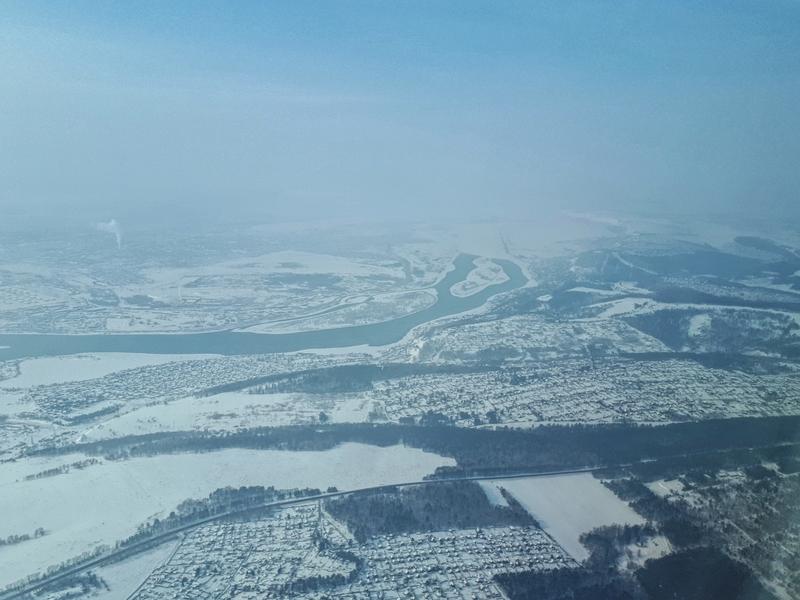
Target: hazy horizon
x,y
315,110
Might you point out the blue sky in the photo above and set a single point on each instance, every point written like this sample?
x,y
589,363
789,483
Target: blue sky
x,y
399,108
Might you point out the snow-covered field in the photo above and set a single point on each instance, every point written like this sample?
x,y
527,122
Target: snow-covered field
x,y
233,410
568,505
124,577
103,503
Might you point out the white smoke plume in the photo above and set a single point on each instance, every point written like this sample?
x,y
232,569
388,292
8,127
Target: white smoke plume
x,y
112,227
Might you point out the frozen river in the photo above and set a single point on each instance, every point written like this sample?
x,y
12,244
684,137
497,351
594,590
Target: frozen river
x,y
239,342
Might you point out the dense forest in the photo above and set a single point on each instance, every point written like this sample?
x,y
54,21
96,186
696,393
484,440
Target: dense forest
x,y
700,574
454,505
502,450
336,379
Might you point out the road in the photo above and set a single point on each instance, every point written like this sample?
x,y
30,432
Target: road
x,y
131,549
117,553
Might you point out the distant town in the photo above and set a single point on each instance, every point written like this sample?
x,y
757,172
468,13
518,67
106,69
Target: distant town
x,y
592,414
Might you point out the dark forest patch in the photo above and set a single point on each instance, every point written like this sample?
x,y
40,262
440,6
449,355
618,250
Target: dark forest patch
x,y
456,505
700,574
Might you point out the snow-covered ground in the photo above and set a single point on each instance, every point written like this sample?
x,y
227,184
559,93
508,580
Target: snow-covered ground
x,y
543,235
105,502
231,411
622,287
628,306
493,493
625,306
124,577
485,274
699,324
358,311
665,487
81,367
568,505
593,291
483,239
766,282
636,555
287,261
